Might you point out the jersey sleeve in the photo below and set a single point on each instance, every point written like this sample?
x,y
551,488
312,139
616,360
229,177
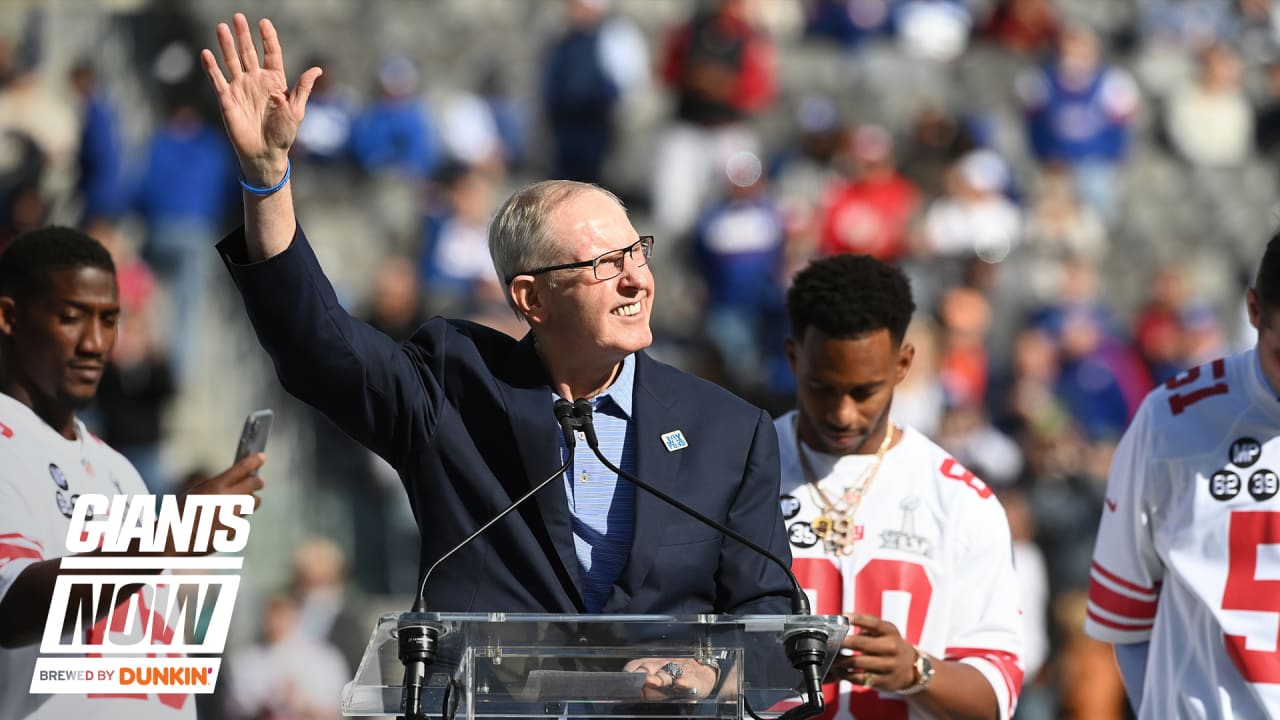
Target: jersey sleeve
x,y
1125,577
18,532
988,624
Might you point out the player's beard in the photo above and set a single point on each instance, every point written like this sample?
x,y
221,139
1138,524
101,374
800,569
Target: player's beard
x,y
76,401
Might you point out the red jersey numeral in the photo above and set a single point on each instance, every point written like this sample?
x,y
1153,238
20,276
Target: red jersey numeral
x,y
953,470
136,606
821,579
1179,402
1244,591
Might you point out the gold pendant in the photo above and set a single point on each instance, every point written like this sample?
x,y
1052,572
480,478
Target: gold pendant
x,y
838,533
843,535
822,525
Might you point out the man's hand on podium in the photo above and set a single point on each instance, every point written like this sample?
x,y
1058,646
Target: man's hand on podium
x,y
675,678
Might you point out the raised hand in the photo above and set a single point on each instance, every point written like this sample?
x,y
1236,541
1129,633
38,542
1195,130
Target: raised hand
x,y
239,479
259,110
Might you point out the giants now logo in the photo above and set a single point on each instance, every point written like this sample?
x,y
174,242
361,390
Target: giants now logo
x,y
127,625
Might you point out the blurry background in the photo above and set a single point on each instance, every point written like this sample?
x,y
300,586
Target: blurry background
x,y
1079,190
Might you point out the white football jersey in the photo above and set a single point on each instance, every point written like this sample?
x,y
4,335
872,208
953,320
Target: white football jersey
x,y
1188,551
934,558
41,474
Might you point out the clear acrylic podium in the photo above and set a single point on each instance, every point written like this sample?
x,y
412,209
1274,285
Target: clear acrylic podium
x,y
503,665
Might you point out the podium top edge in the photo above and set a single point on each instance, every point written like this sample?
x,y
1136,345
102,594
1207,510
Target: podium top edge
x,y
698,619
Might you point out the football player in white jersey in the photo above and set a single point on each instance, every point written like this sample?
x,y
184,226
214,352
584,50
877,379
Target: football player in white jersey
x,y
884,524
1184,576
58,317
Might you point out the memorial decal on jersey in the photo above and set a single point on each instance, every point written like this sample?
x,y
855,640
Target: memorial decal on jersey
x,y
905,537
790,506
1244,452
59,477
149,622
1262,484
62,496
801,535
1224,485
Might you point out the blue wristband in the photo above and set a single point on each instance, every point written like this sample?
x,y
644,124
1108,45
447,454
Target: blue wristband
x,y
288,168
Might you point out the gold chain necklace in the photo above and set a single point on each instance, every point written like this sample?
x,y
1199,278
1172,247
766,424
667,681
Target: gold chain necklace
x,y
835,526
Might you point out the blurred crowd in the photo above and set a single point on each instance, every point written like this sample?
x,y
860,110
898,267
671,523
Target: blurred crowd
x,y
1077,188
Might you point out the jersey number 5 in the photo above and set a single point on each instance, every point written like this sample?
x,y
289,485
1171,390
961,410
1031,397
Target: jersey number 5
x,y
1250,529
1180,401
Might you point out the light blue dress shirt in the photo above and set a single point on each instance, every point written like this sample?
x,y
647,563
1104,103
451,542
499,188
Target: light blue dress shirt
x,y
602,505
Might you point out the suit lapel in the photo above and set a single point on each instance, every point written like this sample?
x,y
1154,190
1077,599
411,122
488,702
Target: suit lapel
x,y
529,411
651,417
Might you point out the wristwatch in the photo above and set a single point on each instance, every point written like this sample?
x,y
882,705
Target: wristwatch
x,y
923,671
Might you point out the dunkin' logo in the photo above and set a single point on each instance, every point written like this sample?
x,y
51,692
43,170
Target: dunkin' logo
x,y
169,677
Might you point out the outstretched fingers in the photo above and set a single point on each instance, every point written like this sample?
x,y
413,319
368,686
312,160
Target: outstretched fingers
x,y
230,58
272,55
211,69
244,42
302,90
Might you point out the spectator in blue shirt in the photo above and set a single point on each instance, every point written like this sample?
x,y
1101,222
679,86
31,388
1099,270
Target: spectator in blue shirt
x,y
587,71
395,134
739,246
184,191
1078,110
100,157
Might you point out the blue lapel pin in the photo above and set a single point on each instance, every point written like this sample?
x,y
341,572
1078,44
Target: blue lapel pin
x,y
674,441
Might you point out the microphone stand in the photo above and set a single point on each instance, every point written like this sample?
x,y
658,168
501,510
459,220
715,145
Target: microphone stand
x,y
805,647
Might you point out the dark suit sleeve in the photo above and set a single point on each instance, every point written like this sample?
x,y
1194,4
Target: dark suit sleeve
x,y
361,379
752,584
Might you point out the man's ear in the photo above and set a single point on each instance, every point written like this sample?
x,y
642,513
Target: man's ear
x,y
905,356
1255,308
8,315
529,299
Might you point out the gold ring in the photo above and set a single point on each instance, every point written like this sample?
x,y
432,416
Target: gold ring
x,y
868,679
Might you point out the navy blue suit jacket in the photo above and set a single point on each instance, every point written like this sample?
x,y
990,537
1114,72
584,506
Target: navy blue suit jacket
x,y
464,413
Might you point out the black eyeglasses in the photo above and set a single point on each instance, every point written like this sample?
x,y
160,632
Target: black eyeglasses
x,y
607,266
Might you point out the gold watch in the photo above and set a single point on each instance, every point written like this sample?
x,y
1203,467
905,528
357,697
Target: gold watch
x,y
923,672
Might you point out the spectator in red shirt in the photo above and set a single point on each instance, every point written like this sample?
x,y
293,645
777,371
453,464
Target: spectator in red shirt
x,y
872,213
722,70
1024,27
720,65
